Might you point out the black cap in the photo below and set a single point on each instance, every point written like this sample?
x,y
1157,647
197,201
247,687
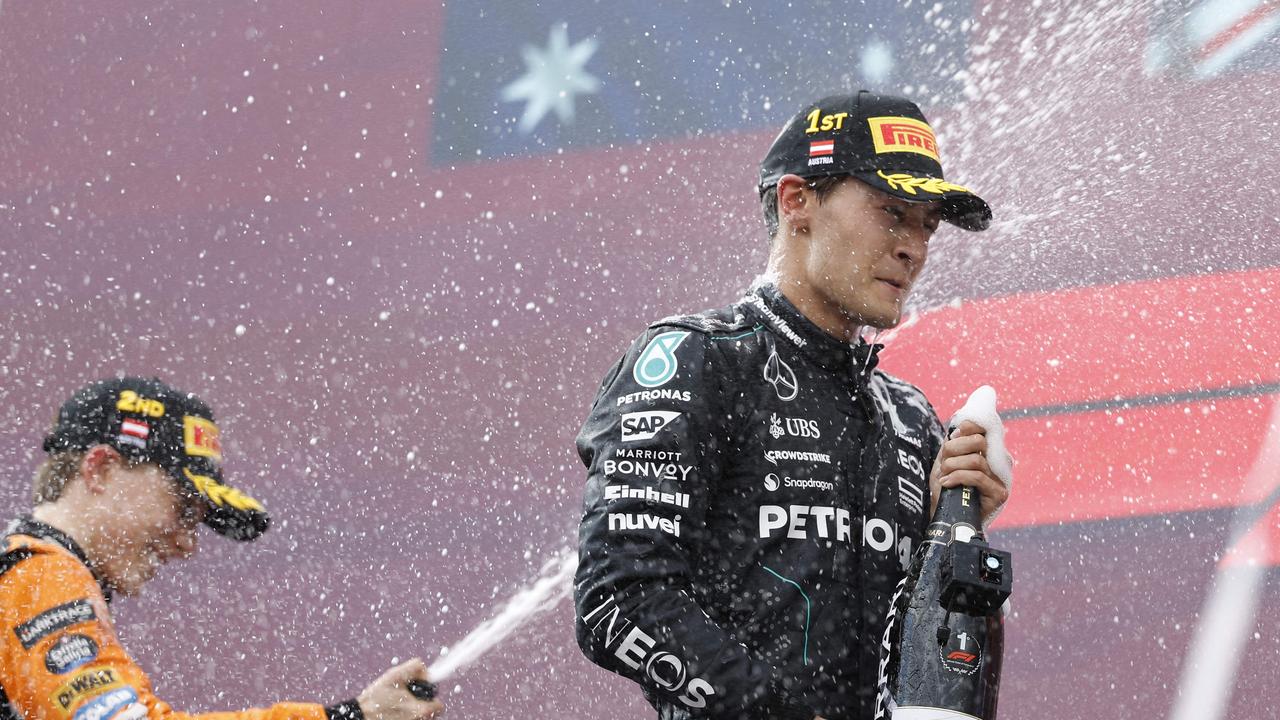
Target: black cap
x,y
882,140
148,421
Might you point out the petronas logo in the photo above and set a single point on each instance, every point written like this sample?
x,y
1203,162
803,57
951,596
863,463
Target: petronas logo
x,y
657,364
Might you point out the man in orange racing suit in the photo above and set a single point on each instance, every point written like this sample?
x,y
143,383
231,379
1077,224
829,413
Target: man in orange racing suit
x,y
134,466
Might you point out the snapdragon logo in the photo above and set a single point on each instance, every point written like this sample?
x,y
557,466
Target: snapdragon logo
x,y
644,425
636,649
657,364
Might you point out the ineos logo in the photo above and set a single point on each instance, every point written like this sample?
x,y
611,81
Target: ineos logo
x,y
779,374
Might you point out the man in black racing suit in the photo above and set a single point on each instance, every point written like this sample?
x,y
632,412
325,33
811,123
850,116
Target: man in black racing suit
x,y
756,486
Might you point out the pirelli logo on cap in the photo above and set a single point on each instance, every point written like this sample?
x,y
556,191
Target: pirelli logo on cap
x,y
201,437
902,134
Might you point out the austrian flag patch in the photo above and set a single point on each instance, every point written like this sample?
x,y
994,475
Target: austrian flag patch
x,y
822,147
134,432
820,152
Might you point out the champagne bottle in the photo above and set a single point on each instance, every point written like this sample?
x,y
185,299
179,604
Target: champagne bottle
x,y
942,650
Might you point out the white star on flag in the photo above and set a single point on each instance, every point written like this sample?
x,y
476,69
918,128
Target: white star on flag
x,y
553,78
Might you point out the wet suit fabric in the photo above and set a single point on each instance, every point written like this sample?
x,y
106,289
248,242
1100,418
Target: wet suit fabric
x,y
756,489
59,655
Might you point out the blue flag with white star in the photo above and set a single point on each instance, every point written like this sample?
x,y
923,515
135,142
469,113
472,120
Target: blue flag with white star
x,y
521,79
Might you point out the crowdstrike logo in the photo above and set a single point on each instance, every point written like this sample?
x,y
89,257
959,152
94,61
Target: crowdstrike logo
x,y
773,456
637,650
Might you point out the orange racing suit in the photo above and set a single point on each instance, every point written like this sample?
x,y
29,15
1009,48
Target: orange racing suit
x,y
59,655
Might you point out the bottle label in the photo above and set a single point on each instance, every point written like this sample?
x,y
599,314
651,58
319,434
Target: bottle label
x,y
962,654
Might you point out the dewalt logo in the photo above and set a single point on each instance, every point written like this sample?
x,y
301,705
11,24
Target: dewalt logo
x,y
87,683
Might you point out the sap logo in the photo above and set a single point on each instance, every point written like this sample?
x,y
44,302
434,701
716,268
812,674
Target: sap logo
x,y
657,363
132,402
636,649
795,427
621,521
644,425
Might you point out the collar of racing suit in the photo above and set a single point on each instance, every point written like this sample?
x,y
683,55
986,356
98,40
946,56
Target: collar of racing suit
x,y
858,360
29,526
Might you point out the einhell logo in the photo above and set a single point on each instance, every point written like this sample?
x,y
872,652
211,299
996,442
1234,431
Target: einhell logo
x,y
900,134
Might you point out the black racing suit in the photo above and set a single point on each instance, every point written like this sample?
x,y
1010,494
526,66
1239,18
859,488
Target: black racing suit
x,y
756,490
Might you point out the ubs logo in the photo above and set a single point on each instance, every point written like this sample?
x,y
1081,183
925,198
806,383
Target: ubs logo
x,y
780,375
795,427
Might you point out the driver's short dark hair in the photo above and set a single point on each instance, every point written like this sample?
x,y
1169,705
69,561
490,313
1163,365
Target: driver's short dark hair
x,y
821,186
53,475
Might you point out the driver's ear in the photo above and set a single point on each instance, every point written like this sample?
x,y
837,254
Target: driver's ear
x,y
795,200
94,465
